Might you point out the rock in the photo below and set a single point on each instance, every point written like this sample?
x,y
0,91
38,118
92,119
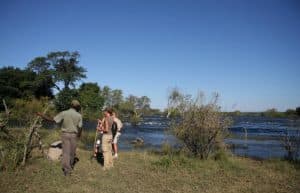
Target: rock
x,y
55,151
57,144
138,141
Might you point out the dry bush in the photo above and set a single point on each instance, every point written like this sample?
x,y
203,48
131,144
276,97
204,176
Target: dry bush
x,y
292,146
201,126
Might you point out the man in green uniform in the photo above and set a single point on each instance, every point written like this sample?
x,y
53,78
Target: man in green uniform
x,y
71,124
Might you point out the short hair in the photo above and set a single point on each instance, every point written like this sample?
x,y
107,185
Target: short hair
x,y
75,103
114,112
109,110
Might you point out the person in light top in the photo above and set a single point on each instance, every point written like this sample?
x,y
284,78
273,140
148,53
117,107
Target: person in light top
x,y
116,131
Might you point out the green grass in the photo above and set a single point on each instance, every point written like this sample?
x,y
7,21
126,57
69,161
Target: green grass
x,y
149,172
165,171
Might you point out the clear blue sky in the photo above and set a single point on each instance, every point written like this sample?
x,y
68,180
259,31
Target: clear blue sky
x,y
248,51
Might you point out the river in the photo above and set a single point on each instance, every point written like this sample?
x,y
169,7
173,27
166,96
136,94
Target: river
x,y
264,136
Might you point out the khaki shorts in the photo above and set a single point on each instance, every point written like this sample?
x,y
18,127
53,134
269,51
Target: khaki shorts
x,y
116,138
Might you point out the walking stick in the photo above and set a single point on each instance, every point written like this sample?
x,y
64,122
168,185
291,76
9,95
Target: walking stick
x,y
95,139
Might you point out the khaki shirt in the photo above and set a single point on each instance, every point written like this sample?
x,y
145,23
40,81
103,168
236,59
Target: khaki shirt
x,y
70,120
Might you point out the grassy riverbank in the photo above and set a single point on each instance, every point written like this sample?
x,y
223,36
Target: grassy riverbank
x,y
149,172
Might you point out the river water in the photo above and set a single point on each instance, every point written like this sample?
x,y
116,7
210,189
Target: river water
x,y
264,136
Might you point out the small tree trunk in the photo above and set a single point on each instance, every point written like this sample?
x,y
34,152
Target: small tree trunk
x,y
5,106
32,131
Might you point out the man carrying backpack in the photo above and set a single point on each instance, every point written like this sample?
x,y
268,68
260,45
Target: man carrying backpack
x,y
116,130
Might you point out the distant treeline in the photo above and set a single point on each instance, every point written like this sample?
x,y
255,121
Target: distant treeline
x,y
28,90
291,113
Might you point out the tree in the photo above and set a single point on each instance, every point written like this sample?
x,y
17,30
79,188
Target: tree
x,y
106,94
290,112
236,113
91,100
64,98
45,75
61,66
127,106
176,102
273,112
116,98
39,65
113,98
132,100
298,111
138,104
134,107
10,82
66,67
17,83
143,103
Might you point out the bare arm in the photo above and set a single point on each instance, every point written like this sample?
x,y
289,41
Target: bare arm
x,y
45,117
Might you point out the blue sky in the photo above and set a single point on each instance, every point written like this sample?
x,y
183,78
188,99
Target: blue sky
x,y
247,50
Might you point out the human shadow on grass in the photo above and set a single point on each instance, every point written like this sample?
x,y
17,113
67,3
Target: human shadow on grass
x,y
100,159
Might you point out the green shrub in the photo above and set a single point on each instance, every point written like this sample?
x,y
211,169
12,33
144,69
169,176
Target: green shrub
x,y
49,136
175,160
298,111
12,141
135,119
164,162
91,100
64,98
290,112
12,150
87,138
24,111
221,155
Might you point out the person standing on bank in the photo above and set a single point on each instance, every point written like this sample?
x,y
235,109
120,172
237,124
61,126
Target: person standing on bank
x,y
71,127
107,139
117,126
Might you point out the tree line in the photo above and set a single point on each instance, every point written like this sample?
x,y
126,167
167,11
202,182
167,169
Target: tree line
x,y
273,112
54,77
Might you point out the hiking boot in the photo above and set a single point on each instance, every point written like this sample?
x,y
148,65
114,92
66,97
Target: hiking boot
x,y
65,172
76,159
